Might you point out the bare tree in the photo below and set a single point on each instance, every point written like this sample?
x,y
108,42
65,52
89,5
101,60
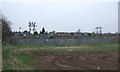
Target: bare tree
x,y
6,30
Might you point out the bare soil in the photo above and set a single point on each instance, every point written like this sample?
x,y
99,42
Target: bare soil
x,y
106,60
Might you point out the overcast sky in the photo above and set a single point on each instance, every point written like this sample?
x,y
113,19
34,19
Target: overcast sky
x,y
63,16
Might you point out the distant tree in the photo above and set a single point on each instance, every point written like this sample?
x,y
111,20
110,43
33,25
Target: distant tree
x,y
6,30
71,33
53,31
40,32
89,34
0,29
93,34
109,33
43,30
25,31
35,33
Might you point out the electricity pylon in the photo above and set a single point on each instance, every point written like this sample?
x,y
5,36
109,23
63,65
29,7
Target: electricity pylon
x,y
100,30
30,25
34,26
97,29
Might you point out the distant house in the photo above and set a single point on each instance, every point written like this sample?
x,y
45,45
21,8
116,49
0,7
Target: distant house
x,y
62,33
52,33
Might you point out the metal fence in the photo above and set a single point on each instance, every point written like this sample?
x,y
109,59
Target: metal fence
x,y
29,41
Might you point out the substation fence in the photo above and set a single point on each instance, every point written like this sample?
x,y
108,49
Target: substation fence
x,y
30,41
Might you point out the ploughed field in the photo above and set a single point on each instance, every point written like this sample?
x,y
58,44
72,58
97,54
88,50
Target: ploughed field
x,y
76,60
61,57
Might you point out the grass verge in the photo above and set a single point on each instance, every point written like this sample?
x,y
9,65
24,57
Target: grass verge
x,y
14,59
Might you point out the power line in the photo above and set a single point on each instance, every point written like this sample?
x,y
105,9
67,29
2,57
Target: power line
x,y
95,13
89,14
85,11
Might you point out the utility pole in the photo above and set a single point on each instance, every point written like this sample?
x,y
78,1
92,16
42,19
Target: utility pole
x,y
100,33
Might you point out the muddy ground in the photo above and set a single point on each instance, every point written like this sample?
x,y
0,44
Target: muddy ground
x,y
76,60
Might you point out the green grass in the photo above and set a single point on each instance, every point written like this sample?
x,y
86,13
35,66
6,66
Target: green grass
x,y
83,47
18,57
90,46
89,49
86,47
58,45
14,59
